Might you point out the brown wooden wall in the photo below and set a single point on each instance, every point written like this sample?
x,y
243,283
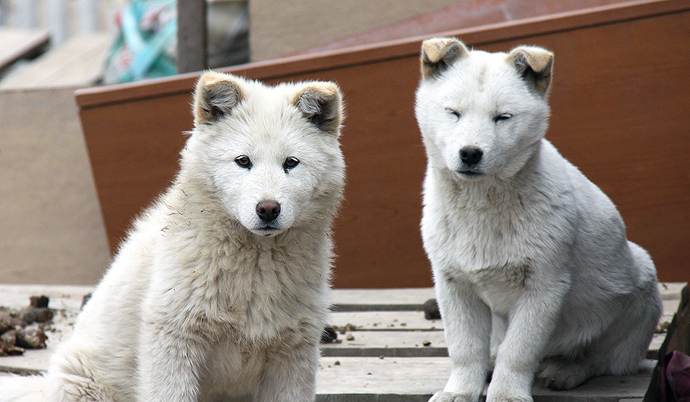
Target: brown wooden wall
x,y
620,98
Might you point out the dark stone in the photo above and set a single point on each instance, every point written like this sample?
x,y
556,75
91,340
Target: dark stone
x,y
431,310
39,301
328,335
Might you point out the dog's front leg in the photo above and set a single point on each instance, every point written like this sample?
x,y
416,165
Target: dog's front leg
x,y
170,363
530,326
467,326
290,375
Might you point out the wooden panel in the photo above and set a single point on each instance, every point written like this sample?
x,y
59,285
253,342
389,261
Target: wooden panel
x,y
377,229
618,100
134,156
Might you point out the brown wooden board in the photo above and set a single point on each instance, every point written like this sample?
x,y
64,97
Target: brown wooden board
x,y
619,100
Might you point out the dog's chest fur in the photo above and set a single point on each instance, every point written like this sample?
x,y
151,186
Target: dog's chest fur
x,y
247,298
488,234
231,282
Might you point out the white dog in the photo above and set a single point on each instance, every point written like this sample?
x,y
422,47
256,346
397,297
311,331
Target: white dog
x,y
220,291
517,234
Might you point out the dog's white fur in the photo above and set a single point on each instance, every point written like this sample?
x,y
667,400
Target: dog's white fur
x,y
521,237
205,301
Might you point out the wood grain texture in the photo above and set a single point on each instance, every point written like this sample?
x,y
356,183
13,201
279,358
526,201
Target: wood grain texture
x,y
619,98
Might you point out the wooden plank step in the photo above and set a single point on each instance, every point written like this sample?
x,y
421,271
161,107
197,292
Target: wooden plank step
x,y
413,344
394,354
415,321
388,344
77,62
385,321
16,44
364,379
372,379
671,290
381,299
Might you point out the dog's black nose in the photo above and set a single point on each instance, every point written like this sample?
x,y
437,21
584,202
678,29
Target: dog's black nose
x,y
471,155
268,210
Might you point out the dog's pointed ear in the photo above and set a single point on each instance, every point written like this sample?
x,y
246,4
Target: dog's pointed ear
x,y
439,53
215,96
321,103
534,65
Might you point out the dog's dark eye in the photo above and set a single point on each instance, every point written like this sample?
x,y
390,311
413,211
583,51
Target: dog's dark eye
x,y
504,116
243,161
453,112
290,163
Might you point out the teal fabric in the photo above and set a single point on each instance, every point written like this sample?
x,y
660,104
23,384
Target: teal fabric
x,y
145,44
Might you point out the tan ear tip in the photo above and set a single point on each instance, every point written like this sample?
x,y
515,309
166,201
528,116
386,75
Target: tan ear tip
x,y
210,78
328,88
543,61
323,89
539,59
207,75
434,48
439,42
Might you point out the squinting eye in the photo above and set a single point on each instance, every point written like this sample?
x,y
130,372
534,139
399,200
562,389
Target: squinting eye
x,y
453,112
290,163
504,116
243,161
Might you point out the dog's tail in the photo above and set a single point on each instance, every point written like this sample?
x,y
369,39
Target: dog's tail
x,y
15,388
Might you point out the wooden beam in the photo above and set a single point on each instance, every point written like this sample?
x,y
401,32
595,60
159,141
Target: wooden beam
x,y
191,35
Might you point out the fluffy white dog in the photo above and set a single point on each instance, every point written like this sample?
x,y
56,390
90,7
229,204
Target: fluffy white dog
x,y
220,290
530,259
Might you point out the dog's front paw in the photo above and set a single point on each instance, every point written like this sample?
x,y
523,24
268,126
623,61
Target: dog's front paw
x,y
442,396
509,398
560,374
